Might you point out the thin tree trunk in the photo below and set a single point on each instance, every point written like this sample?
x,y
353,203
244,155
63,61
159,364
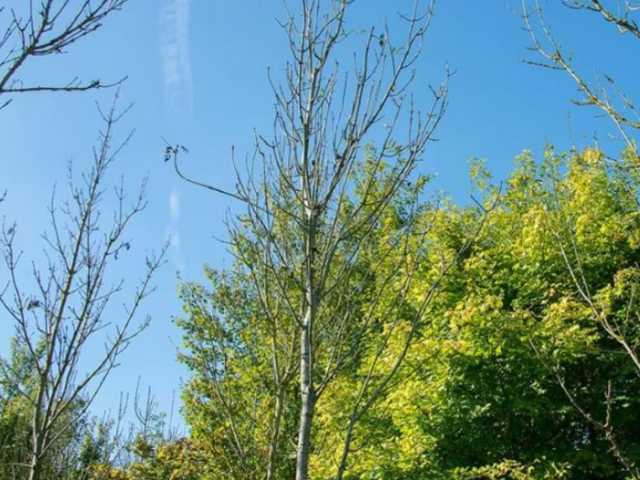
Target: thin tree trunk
x,y
342,467
37,440
308,400
273,444
34,469
307,392
35,465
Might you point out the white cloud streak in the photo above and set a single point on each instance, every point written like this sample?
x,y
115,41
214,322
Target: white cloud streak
x,y
174,27
174,205
172,231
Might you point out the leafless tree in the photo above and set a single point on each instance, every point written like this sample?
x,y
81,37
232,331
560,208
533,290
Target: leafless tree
x,y
43,28
603,91
70,309
316,193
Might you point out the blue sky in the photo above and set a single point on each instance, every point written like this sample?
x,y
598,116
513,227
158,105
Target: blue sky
x,y
197,76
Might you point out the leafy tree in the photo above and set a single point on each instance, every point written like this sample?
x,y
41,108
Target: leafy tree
x,y
518,376
174,459
606,94
233,400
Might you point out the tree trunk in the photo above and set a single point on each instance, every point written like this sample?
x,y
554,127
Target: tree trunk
x,y
35,465
37,437
308,400
307,391
273,444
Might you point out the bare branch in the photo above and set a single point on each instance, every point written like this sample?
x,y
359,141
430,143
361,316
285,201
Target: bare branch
x,y
49,30
606,96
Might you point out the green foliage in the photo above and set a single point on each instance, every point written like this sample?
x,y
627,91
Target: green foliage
x,y
512,470
14,424
79,450
480,396
228,403
169,460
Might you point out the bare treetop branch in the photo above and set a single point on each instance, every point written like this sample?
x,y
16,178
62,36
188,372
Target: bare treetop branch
x,y
48,28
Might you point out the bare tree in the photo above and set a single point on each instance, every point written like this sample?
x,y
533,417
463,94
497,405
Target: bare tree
x,y
603,91
316,194
71,309
47,27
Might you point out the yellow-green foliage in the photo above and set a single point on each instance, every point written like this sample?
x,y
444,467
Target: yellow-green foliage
x,y
474,399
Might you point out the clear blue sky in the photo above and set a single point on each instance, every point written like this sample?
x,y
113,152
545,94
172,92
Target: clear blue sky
x,y
197,76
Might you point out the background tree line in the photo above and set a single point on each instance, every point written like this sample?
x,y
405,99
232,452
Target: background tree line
x,y
363,331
